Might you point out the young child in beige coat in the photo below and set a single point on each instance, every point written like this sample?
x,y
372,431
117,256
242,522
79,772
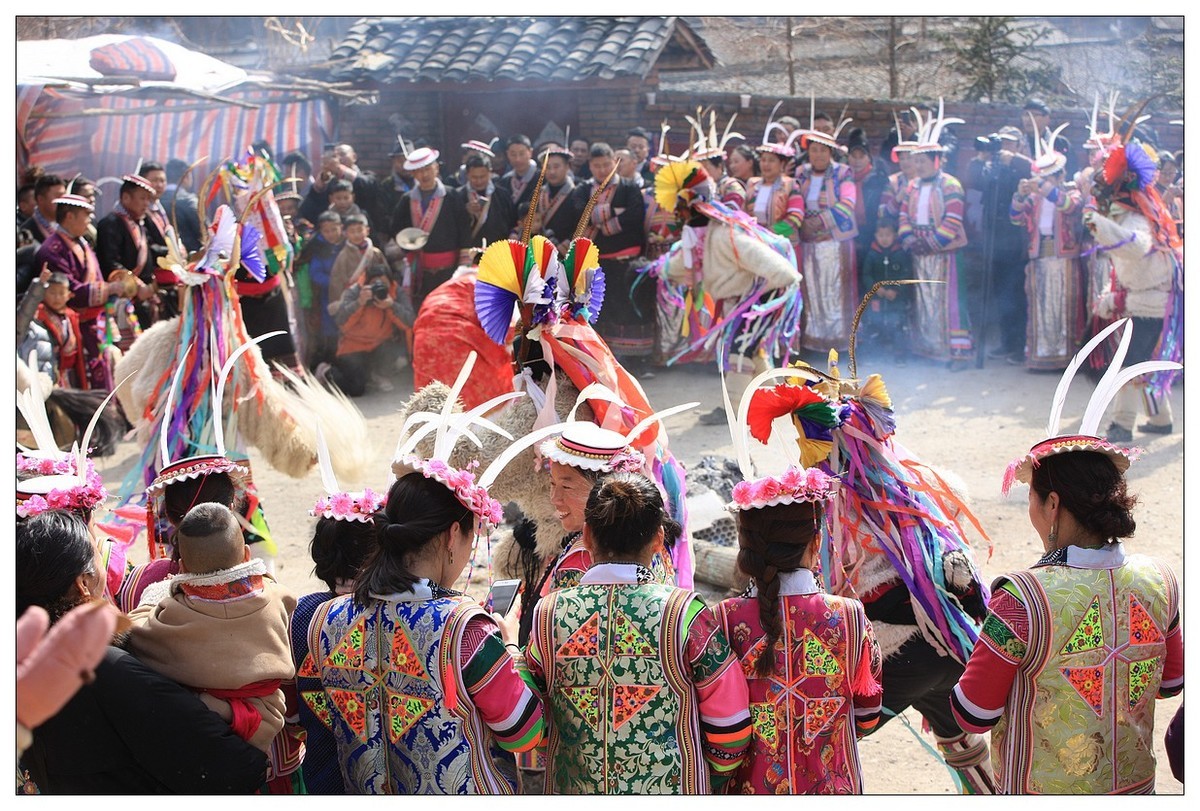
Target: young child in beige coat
x,y
222,626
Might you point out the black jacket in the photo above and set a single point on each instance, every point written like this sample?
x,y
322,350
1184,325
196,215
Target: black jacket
x,y
132,731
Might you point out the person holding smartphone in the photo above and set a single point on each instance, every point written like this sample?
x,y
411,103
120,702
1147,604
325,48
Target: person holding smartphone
x,y
423,696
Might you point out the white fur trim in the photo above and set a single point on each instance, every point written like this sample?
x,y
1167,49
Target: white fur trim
x,y
219,577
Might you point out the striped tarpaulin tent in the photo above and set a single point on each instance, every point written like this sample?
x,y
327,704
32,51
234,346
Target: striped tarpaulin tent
x,y
104,135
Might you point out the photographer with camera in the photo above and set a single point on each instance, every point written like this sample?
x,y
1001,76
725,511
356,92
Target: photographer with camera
x,y
1001,162
371,315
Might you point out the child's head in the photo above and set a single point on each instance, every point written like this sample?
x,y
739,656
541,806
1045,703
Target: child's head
x,y
329,223
341,196
885,232
781,538
339,549
357,229
209,539
58,292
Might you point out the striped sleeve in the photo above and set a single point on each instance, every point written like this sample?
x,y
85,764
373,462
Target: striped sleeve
x,y
867,689
506,703
978,699
1172,677
723,694
842,213
950,225
733,192
794,215
1020,210
570,570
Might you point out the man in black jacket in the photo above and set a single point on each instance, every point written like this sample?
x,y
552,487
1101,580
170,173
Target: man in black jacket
x,y
132,731
493,215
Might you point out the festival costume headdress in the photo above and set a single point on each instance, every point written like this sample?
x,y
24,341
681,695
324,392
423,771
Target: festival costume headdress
x,y
74,200
929,130
901,144
138,180
339,504
1048,160
786,150
65,481
447,427
710,147
814,135
787,410
587,446
1088,439
420,158
478,146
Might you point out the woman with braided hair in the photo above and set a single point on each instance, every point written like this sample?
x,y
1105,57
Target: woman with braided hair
x,y
810,658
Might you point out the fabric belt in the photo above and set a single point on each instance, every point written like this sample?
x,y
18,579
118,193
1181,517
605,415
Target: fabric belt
x,y
258,288
624,253
440,260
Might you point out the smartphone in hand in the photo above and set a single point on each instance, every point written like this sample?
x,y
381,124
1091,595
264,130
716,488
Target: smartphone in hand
x,y
502,596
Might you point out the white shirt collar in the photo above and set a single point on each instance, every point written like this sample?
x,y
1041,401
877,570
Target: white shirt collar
x,y
801,581
1110,556
609,573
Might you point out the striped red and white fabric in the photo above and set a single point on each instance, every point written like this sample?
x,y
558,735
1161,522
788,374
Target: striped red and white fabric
x,y
133,57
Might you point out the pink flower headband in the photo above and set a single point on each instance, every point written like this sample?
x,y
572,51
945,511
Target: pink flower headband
x,y
795,485
461,482
49,466
348,506
82,496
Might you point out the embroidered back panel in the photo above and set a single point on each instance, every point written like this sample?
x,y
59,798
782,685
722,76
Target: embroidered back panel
x,y
625,719
383,671
802,714
1080,716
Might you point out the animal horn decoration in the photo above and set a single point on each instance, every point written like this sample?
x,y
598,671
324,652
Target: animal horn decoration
x,y
527,231
702,142
842,122
942,121
403,146
771,123
591,203
1129,121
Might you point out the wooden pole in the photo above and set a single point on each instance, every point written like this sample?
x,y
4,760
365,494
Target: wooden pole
x,y
791,60
717,565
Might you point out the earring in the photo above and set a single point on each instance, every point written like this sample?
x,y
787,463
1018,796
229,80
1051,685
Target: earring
x,y
1053,534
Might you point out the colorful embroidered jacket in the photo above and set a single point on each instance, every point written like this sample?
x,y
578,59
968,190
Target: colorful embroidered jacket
x,y
943,232
824,692
731,192
1071,657
1026,212
646,696
322,774
575,560
786,205
892,198
421,694
835,203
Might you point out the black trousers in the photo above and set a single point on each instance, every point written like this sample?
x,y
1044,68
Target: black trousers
x,y
351,372
916,676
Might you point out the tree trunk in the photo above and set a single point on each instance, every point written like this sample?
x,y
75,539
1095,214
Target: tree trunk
x,y
791,59
893,78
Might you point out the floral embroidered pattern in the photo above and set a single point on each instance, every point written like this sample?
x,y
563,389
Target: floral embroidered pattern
x,y
585,642
1002,639
1089,633
1089,683
818,714
750,659
626,641
404,711
348,653
586,700
628,699
1080,754
308,668
1141,677
318,702
1142,630
352,708
818,659
762,718
404,658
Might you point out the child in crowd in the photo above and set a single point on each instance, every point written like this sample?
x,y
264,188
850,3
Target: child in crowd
x,y
341,201
315,267
357,254
221,626
888,317
56,323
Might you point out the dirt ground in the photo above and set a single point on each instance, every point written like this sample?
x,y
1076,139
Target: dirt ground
x,y
972,422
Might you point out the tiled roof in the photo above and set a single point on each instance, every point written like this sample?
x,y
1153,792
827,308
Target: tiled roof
x,y
391,50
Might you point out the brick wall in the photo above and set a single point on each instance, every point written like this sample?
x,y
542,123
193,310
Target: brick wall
x,y
372,129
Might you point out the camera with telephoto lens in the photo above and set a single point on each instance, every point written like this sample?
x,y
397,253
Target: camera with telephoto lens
x,y
990,144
